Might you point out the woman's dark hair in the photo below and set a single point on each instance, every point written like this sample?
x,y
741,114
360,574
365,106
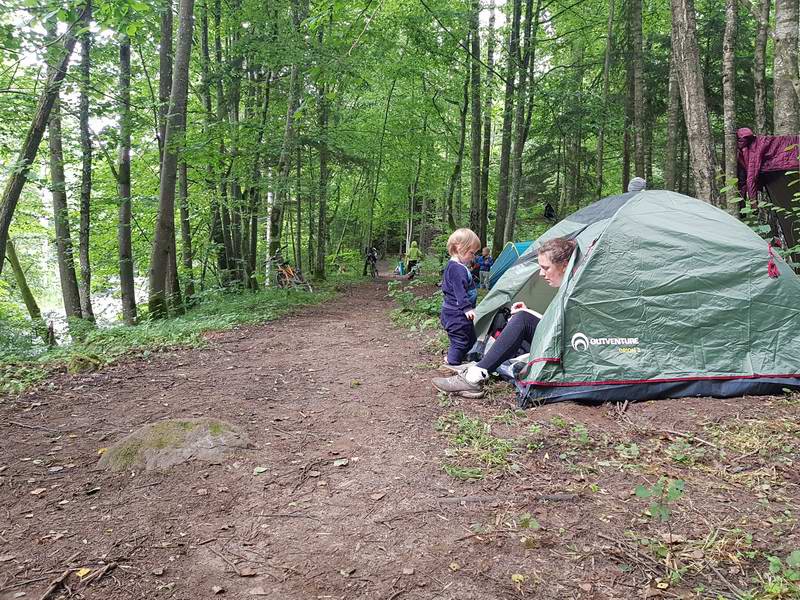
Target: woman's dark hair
x,y
558,249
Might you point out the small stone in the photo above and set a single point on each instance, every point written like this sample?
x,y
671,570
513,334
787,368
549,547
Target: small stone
x,y
217,589
203,492
38,491
408,571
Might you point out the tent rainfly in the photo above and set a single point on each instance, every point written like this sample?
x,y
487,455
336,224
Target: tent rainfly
x,y
665,297
512,251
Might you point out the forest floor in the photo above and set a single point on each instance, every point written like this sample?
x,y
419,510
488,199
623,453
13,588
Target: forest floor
x,y
438,498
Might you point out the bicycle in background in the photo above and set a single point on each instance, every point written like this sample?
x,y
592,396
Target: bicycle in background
x,y
286,276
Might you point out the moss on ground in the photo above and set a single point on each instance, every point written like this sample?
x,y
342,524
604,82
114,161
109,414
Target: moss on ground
x,y
165,437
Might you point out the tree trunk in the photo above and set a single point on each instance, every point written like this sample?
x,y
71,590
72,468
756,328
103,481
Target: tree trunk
x,y
124,185
164,72
455,178
298,244
322,218
638,87
186,229
604,116
483,219
529,41
374,196
299,12
85,285
215,233
729,103
786,87
225,219
695,110
475,130
30,146
22,284
759,72
673,117
498,240
165,225
58,187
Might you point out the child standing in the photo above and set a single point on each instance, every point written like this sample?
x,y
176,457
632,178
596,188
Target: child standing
x,y
485,261
460,294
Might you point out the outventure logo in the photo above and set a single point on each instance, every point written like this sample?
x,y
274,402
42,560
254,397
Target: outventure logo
x,y
581,342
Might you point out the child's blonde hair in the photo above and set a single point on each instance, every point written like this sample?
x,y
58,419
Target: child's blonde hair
x,y
461,240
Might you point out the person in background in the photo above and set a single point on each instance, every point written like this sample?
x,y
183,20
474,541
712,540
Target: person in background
x,y
413,256
485,262
460,294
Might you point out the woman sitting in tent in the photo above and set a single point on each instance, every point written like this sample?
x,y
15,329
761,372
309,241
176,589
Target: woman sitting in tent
x,y
554,256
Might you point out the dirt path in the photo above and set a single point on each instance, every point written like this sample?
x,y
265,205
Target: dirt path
x,y
334,382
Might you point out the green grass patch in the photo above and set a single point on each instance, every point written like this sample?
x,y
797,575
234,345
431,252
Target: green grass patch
x,y
474,451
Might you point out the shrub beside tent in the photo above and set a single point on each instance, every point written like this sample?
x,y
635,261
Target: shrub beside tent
x,y
665,297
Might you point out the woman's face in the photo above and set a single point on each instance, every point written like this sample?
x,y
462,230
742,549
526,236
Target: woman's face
x,y
552,273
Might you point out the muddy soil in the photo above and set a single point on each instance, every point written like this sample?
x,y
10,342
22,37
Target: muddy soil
x,y
344,492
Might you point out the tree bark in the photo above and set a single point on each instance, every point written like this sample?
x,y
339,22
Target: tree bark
x,y
475,126
215,232
786,105
498,240
604,116
483,218
456,175
165,225
673,118
299,11
164,72
322,192
528,54
85,285
695,110
186,229
30,146
759,70
638,87
729,103
22,283
124,185
58,188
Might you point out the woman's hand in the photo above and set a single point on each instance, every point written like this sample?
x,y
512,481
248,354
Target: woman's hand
x,y
470,314
517,307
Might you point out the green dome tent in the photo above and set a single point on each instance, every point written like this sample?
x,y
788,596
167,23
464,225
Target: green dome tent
x,y
665,297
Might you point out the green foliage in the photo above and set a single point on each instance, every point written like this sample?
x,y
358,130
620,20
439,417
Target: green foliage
x,y
664,493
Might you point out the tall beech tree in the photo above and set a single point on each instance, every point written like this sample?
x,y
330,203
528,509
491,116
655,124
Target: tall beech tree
x,y
164,234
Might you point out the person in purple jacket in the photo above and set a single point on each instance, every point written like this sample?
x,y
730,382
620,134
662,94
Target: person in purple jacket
x,y
460,294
